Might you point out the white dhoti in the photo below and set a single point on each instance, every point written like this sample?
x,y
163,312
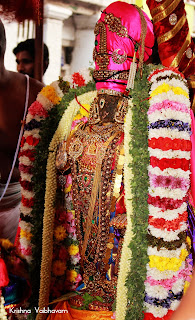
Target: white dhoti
x,y
10,211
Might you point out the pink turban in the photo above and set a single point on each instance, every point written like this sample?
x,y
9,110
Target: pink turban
x,y
117,32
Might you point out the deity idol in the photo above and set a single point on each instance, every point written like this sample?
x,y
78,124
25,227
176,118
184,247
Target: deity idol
x,y
118,175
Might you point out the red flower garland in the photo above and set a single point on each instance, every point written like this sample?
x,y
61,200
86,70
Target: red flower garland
x,y
170,163
28,153
165,203
170,225
27,202
167,144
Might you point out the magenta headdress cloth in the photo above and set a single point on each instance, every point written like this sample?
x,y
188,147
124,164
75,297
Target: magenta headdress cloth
x,y
117,35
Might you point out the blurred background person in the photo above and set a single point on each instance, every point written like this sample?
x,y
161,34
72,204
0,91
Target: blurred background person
x,y
25,57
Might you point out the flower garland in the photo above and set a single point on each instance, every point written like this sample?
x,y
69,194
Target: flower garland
x,y
169,172
41,122
121,299
59,266
137,188
169,127
38,111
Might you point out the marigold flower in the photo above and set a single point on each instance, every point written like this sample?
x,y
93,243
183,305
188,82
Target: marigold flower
x,y
188,241
50,93
73,250
60,233
71,275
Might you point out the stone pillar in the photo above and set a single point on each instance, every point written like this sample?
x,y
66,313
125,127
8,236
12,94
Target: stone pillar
x,y
11,30
82,57
53,26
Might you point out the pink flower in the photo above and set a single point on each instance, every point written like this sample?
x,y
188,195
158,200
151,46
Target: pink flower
x,y
26,252
68,181
69,228
37,109
78,278
166,104
69,216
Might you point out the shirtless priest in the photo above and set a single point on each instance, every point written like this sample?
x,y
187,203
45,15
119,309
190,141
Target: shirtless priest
x,y
17,92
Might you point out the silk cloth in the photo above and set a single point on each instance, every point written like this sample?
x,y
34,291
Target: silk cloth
x,y
10,211
73,314
130,19
171,49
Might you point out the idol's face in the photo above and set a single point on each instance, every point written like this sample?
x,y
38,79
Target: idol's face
x,y
107,107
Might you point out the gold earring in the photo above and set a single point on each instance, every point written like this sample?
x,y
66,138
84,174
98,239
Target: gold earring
x,y
94,116
121,110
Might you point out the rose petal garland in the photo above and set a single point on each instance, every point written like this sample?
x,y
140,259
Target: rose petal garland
x,y
169,174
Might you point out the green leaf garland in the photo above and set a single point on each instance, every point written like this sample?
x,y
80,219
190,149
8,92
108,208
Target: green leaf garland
x,y
139,151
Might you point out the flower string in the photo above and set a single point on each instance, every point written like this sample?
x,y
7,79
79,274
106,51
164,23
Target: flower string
x,y
169,175
37,112
121,300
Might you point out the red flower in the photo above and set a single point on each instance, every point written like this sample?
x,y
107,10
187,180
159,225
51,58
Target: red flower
x,y
150,316
26,185
165,203
173,225
63,254
78,79
22,142
169,144
165,69
27,202
25,169
32,141
165,163
28,153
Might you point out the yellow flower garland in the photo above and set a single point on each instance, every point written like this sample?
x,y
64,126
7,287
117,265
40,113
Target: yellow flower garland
x,y
164,263
166,87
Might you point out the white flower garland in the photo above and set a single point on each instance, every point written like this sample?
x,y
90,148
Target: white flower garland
x,y
125,262
169,101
